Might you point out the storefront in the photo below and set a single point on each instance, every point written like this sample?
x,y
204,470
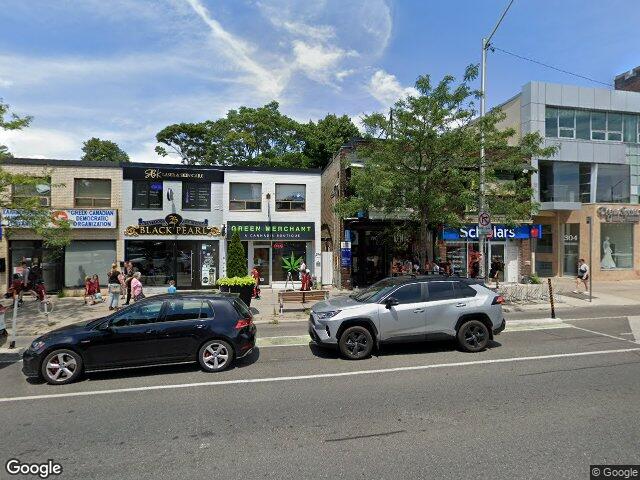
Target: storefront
x,y
276,248
605,232
508,246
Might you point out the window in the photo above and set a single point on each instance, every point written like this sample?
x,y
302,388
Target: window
x,y
613,183
290,197
282,251
41,191
544,244
147,194
196,196
411,293
566,123
583,124
565,182
245,196
598,125
91,192
464,291
616,249
86,257
551,122
137,315
187,310
440,291
614,127
630,123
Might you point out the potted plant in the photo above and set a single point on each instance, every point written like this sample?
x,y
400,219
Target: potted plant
x,y
237,280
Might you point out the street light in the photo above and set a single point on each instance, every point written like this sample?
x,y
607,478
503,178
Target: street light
x,y
486,43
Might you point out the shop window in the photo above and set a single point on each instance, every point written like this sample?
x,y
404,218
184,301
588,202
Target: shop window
x,y
616,250
84,258
290,197
33,252
245,196
196,196
544,269
147,194
565,182
91,192
284,251
544,244
155,260
40,191
613,183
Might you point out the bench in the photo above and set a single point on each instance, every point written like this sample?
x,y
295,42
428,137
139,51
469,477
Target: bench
x,y
297,296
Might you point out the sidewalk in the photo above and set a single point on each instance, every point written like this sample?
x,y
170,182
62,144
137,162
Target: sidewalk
x,y
31,323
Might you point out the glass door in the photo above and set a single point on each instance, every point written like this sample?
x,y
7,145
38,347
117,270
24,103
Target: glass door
x,y
571,240
208,264
185,275
496,260
262,262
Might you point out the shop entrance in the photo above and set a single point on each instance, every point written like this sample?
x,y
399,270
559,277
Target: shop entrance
x,y
261,255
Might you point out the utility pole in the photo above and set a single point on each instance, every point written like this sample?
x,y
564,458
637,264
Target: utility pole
x,y
486,44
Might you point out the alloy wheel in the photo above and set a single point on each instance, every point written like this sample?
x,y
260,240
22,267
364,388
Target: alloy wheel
x,y
61,367
474,336
356,343
215,356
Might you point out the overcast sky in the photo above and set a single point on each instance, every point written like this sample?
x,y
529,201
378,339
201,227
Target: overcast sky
x,y
123,69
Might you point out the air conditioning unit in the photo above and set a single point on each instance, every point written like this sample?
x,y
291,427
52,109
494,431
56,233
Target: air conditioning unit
x,y
45,201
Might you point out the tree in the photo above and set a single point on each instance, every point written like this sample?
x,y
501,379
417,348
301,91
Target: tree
x,y
236,258
324,139
26,207
424,162
96,150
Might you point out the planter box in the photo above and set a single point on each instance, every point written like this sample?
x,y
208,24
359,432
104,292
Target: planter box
x,y
244,292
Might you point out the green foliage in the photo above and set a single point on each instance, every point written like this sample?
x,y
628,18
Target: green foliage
x,y
291,264
236,258
257,137
535,279
96,150
424,162
29,210
236,281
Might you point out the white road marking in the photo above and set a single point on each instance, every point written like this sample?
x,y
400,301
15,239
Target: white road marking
x,y
604,334
634,324
319,376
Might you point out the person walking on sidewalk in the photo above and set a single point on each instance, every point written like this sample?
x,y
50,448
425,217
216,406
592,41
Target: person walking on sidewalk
x,y
136,287
113,286
583,277
128,274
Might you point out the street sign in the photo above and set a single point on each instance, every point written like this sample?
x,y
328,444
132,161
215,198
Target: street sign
x,y
485,230
484,219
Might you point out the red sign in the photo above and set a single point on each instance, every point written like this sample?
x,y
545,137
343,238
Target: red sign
x,y
278,245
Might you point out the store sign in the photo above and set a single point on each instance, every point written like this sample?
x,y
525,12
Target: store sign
x,y
172,224
77,218
499,232
273,230
345,254
155,173
619,215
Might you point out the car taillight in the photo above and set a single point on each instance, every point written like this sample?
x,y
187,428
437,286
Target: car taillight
x,y
244,322
499,300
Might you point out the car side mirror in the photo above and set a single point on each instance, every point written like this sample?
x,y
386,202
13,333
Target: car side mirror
x,y
105,327
390,302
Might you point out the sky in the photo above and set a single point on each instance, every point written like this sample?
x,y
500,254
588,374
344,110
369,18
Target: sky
x,y
123,69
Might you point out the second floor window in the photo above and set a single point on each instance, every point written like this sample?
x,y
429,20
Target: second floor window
x,y
41,191
196,196
591,125
147,194
290,197
92,192
245,196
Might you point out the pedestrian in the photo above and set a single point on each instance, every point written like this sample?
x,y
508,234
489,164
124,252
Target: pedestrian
x,y
435,268
89,292
128,272
25,276
256,285
97,294
136,287
15,289
113,286
123,285
582,277
172,287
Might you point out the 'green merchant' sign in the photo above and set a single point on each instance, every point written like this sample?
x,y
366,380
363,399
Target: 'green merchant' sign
x,y
272,230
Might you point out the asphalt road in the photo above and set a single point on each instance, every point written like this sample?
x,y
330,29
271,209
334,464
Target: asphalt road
x,y
545,401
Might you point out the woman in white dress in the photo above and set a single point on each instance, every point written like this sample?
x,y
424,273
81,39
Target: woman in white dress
x,y
607,260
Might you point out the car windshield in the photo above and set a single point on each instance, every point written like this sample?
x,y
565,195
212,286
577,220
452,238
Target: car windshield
x,y
375,292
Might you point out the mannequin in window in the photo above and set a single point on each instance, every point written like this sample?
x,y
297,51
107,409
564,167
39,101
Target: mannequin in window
x,y
607,260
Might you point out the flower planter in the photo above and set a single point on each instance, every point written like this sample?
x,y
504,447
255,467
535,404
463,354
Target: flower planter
x,y
245,292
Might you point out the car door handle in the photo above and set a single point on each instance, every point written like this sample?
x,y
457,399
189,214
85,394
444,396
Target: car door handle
x,y
461,305
200,325
151,331
418,310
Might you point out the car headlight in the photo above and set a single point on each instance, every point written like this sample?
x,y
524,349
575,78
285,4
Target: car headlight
x,y
37,345
325,315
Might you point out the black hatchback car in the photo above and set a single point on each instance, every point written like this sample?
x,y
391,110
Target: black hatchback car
x,y
213,330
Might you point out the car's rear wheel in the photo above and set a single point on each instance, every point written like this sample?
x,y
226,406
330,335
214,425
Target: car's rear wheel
x,y
356,343
61,366
473,336
215,355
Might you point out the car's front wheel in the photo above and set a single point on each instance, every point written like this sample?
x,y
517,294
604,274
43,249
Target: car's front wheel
x,y
356,343
61,366
215,355
473,336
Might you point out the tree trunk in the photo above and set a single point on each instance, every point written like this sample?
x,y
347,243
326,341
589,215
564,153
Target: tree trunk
x,y
423,246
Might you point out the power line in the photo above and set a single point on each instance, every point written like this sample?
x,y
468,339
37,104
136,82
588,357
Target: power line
x,y
493,48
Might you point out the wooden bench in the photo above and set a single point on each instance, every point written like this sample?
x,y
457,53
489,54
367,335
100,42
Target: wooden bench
x,y
297,296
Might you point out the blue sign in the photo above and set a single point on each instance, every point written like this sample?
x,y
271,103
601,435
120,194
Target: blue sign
x,y
345,257
347,235
500,232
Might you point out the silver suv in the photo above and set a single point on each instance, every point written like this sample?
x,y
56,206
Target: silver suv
x,y
409,308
